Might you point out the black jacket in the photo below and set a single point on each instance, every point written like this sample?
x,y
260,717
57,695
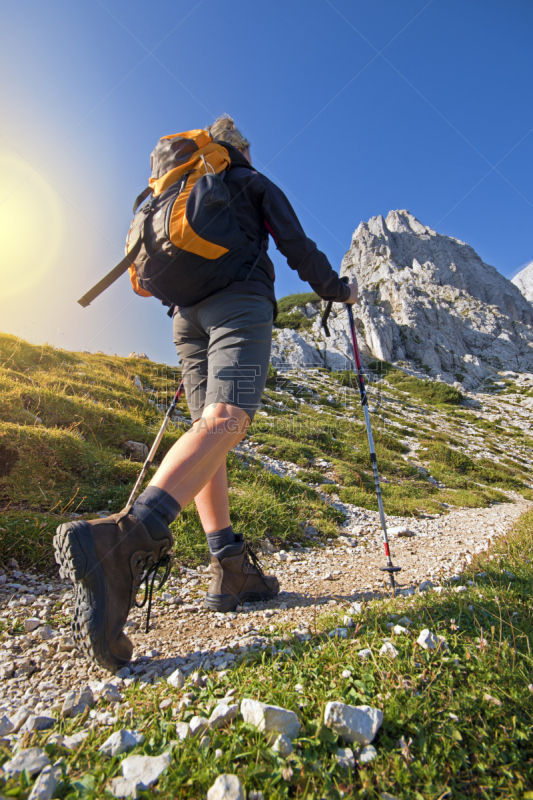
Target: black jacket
x,y
258,204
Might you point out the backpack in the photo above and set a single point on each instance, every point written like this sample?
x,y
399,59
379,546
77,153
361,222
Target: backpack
x,y
185,243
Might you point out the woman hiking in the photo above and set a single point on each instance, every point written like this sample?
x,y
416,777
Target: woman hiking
x,y
223,343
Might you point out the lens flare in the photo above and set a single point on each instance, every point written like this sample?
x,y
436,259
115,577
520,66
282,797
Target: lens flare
x,y
31,226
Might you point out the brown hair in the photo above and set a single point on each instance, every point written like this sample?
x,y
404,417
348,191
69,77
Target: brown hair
x,y
224,129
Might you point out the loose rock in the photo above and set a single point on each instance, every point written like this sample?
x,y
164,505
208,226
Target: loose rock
x,y
120,742
283,746
45,785
198,725
38,723
226,787
177,679
354,723
367,753
182,730
345,757
388,650
6,726
120,787
74,741
428,640
145,770
273,720
223,715
33,760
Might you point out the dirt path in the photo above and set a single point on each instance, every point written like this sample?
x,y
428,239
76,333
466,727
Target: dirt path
x,y
39,667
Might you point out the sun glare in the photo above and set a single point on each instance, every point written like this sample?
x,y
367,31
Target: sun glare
x,y
31,226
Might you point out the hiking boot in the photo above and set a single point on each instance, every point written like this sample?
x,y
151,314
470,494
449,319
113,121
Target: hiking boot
x,y
238,578
107,560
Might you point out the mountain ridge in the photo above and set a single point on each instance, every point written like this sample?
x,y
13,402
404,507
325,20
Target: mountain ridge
x,y
427,300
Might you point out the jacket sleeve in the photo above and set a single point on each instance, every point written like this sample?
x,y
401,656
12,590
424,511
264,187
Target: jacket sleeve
x,y
301,253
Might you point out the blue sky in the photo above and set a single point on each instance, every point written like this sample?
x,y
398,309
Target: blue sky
x,y
353,108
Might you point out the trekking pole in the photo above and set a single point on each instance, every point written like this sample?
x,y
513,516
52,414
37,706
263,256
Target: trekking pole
x,y
390,568
148,463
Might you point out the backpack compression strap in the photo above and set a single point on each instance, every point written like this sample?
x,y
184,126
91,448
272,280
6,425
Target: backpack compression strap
x,y
111,276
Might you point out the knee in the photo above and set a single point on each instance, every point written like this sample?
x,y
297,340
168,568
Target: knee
x,y
230,421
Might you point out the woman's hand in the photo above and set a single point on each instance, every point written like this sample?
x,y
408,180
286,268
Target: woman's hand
x,y
354,293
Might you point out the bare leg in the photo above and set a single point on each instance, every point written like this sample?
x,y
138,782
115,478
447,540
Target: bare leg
x,y
194,460
212,502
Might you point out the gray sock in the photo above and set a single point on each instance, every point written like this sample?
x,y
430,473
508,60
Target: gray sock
x,y
156,509
219,539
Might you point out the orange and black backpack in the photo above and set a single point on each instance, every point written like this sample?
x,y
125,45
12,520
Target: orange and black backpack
x,y
184,243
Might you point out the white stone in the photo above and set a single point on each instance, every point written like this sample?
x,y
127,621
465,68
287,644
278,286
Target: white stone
x,y
45,785
176,679
45,633
145,770
226,787
345,757
428,640
120,787
283,746
223,715
388,650
354,723
120,742
399,530
367,753
273,720
398,630
76,702
19,718
34,760
182,730
38,723
6,726
74,741
198,725
31,624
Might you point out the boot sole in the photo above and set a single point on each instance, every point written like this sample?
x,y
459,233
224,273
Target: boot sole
x,y
229,602
74,552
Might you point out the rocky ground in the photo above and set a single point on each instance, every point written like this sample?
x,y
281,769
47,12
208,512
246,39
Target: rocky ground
x,y
40,667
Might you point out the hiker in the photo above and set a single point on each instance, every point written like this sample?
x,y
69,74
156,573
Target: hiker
x,y
223,343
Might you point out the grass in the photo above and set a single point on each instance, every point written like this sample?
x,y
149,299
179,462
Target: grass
x,y
65,417
432,392
457,722
296,320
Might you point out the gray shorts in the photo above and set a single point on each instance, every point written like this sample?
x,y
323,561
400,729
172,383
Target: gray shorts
x,y
223,344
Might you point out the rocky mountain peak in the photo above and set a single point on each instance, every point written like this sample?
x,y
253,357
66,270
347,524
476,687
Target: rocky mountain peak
x,y
427,299
524,282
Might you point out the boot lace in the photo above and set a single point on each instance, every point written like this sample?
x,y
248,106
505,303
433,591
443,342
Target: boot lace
x,y
251,559
148,577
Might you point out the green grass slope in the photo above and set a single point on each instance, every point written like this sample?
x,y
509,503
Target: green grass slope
x,y
64,418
